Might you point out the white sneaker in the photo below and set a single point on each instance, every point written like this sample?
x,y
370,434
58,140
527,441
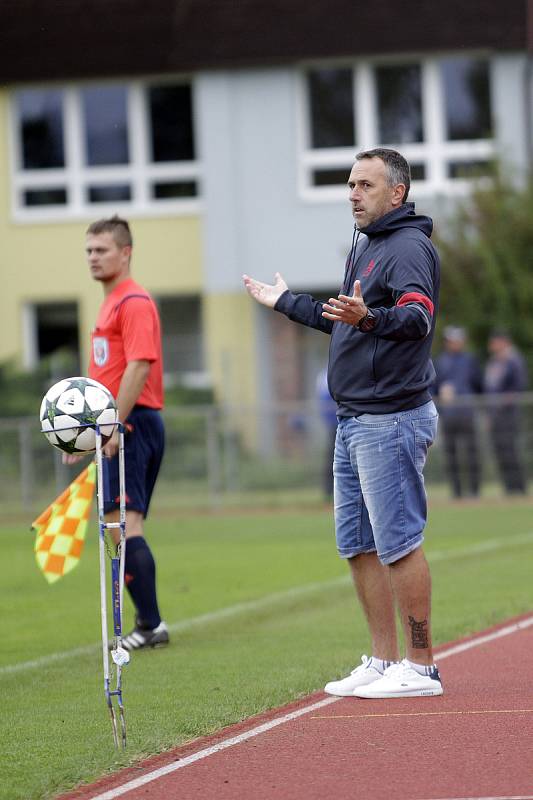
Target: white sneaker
x,y
401,680
362,675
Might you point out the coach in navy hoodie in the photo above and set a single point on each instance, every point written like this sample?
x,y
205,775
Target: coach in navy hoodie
x,y
379,373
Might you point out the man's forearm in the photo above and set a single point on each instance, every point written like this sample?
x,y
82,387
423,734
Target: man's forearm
x,y
304,309
131,386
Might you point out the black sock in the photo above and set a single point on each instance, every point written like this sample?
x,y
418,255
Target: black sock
x,y
140,581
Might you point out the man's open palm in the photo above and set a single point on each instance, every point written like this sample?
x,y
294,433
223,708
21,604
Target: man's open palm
x,y
265,293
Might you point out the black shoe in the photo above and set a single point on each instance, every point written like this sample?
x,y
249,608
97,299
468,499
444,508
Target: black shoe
x,y
141,637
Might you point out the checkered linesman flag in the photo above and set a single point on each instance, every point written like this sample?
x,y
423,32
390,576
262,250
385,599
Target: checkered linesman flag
x,y
62,526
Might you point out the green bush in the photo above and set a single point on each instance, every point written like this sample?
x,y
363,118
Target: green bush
x,y
487,264
21,392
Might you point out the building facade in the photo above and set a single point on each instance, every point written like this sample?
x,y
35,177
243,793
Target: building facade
x,y
225,132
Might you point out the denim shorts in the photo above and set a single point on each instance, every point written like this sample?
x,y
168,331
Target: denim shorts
x,y
144,444
379,494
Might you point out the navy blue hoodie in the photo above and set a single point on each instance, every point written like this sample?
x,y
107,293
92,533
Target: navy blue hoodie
x,y
388,369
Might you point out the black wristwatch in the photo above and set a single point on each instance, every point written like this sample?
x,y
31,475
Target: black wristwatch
x,y
368,322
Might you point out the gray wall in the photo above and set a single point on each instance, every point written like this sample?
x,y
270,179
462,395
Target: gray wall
x,y
254,220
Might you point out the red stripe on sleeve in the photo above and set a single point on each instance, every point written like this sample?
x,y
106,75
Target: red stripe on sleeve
x,y
416,297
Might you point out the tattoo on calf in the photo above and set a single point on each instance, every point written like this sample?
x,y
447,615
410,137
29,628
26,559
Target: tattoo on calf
x,y
419,633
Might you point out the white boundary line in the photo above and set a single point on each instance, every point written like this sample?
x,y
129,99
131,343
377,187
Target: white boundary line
x,y
266,602
184,625
479,640
498,797
209,751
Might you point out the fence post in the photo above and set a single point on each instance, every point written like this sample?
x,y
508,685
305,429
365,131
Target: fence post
x,y
213,457
26,463
230,453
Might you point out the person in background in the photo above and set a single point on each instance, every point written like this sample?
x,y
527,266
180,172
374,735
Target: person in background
x,y
505,377
459,376
126,357
328,413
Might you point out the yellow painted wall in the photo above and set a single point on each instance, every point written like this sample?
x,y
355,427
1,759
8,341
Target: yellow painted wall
x,y
46,262
230,340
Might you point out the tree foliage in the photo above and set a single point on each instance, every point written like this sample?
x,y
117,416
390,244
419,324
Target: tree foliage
x,y
487,264
21,392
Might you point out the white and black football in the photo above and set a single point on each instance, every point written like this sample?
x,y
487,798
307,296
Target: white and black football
x,y
72,408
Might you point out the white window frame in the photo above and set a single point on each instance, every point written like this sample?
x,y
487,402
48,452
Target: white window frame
x,y
76,176
435,151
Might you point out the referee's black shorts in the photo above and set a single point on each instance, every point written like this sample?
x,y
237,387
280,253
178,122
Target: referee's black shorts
x,y
144,445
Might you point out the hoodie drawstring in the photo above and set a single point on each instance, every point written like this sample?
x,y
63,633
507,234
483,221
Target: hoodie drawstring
x,y
350,264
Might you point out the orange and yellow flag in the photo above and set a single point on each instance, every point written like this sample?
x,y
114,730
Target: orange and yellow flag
x,y
62,526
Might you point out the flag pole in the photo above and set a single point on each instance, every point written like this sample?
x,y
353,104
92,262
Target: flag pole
x,y
119,597
119,655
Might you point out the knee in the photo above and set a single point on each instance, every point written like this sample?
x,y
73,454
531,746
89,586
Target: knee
x,y
134,524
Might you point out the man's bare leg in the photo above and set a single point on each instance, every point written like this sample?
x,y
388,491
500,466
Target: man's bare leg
x,y
411,585
134,524
373,586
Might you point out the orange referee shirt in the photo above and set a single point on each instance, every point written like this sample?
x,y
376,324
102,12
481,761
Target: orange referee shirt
x,y
128,329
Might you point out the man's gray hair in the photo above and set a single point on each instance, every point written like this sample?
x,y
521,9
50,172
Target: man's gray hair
x,y
398,170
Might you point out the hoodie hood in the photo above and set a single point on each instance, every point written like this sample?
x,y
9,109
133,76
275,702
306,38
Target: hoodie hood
x,y
403,217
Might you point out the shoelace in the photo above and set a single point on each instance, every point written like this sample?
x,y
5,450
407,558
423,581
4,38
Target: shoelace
x,y
399,670
365,662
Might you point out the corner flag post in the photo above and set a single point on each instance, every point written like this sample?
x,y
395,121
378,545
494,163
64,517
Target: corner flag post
x,y
119,655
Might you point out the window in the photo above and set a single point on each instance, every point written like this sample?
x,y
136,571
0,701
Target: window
x,y
130,146
399,95
183,346
467,98
330,177
45,197
51,331
105,124
437,111
171,123
331,107
41,129
468,169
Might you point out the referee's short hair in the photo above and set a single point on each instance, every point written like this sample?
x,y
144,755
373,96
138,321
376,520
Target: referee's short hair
x,y
115,225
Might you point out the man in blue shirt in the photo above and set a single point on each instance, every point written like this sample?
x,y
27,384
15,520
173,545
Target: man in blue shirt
x,y
505,377
459,377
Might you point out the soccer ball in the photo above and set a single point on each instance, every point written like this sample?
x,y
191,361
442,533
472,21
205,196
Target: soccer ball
x,y
70,410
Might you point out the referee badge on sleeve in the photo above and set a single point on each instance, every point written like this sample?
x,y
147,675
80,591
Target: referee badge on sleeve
x,y
100,350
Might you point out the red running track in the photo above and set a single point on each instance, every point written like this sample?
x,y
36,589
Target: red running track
x,y
476,741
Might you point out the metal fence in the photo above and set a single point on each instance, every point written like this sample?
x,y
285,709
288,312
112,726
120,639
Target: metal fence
x,y
241,456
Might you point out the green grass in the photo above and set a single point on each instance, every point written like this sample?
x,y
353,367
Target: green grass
x,y
301,627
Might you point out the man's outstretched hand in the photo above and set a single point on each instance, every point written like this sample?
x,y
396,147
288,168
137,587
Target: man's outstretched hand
x,y
265,293
343,308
